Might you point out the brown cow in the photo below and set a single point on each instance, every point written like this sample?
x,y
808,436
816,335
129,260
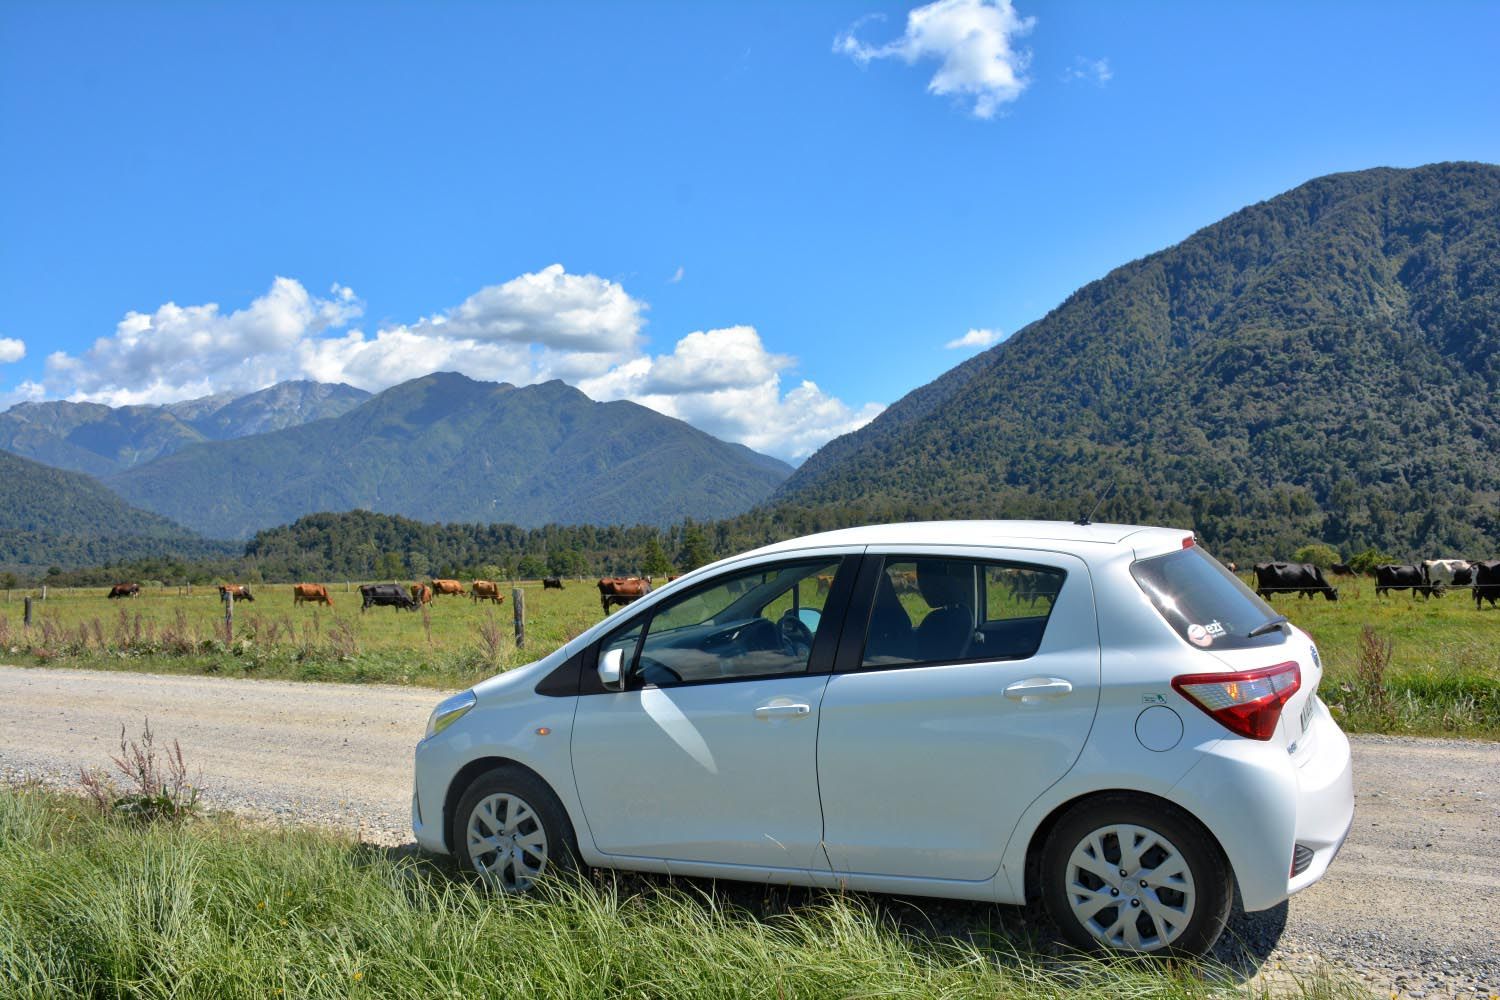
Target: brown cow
x,y
421,593
125,590
239,591
314,593
453,587
484,590
622,590
825,581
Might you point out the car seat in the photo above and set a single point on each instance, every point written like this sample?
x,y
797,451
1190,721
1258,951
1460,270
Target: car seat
x,y
948,630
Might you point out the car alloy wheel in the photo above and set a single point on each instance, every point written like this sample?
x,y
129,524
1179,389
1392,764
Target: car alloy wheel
x,y
1130,888
507,842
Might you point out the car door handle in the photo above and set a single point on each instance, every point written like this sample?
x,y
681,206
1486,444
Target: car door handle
x,y
781,710
1038,687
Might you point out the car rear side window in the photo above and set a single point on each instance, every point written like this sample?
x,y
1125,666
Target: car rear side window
x,y
1205,604
936,610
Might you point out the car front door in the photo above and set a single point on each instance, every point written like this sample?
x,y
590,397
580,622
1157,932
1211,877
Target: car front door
x,y
970,689
708,754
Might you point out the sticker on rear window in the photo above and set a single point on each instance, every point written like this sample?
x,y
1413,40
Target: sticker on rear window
x,y
1198,635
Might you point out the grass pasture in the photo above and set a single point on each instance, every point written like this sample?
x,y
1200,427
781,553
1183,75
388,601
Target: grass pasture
x,y
1441,676
104,907
451,643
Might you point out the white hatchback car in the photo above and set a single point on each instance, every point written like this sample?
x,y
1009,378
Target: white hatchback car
x,y
1098,716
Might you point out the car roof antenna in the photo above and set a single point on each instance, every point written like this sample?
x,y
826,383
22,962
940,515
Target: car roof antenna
x,y
1088,518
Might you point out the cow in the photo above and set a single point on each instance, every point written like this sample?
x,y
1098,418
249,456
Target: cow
x,y
1280,578
1342,569
622,590
452,587
421,593
125,590
825,582
552,583
239,591
484,590
1486,582
1392,576
313,593
385,595
1233,567
1441,574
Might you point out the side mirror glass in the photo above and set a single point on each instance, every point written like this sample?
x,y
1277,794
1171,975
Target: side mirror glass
x,y
612,669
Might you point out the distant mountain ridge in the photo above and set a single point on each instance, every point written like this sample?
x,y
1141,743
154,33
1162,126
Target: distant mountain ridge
x,y
50,517
1322,365
448,448
100,440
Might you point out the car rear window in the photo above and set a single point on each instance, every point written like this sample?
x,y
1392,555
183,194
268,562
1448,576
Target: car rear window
x,y
1207,605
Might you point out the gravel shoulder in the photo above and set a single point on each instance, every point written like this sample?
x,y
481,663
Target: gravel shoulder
x,y
1412,905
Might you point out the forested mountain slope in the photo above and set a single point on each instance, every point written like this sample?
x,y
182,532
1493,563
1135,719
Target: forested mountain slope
x,y
1322,365
448,448
49,517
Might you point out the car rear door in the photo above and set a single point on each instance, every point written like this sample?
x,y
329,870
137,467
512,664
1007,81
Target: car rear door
x,y
926,766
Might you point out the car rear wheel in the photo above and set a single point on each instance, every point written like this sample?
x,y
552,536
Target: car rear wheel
x,y
512,831
1124,874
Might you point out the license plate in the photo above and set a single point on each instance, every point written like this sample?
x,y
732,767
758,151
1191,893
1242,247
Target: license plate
x,y
1308,709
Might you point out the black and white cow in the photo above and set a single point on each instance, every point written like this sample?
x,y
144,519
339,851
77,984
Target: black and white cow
x,y
1393,576
382,595
1283,578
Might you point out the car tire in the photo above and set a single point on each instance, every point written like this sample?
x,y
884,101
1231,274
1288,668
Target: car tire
x,y
510,830
1122,873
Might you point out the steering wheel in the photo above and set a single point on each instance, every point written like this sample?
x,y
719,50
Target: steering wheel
x,y
794,630
658,673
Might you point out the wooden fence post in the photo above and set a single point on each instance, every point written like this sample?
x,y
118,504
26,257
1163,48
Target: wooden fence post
x,y
27,619
518,601
228,618
44,591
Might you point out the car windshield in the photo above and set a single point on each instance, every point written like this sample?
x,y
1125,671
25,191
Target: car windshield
x,y
1205,604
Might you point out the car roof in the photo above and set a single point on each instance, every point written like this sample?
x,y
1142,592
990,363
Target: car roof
x,y
1066,536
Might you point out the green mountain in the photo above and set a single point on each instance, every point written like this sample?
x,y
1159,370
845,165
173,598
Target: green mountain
x,y
49,517
448,448
1322,365
99,439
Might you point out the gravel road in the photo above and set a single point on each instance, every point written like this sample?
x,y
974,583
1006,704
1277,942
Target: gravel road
x,y
1412,905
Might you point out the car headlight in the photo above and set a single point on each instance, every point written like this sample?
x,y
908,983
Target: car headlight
x,y
449,711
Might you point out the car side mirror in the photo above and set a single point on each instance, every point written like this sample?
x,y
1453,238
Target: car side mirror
x,y
612,669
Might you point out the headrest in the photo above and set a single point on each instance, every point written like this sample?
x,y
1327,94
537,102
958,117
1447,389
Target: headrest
x,y
944,584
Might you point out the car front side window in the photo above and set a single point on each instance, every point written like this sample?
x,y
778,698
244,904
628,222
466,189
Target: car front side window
x,y
753,623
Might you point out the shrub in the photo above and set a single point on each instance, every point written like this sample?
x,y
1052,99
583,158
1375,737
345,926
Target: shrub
x,y
1320,555
156,787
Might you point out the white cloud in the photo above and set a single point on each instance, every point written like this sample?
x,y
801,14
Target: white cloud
x,y
549,324
976,338
1093,70
726,383
11,350
972,40
178,352
552,308
676,277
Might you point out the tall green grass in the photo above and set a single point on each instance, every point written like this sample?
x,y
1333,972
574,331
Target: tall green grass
x,y
99,907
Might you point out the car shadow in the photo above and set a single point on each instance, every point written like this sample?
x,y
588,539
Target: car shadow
x,y
1013,936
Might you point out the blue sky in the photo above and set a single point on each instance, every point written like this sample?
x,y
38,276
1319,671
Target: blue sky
x,y
742,199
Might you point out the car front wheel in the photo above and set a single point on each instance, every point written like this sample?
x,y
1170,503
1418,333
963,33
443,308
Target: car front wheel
x,y
512,830
1129,875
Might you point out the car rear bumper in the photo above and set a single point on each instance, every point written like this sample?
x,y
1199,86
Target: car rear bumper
x,y
1261,805
1325,801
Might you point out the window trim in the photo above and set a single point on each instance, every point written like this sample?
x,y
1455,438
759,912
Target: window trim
x,y
851,653
820,659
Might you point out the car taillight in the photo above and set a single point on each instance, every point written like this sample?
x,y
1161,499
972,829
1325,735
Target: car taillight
x,y
1248,702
